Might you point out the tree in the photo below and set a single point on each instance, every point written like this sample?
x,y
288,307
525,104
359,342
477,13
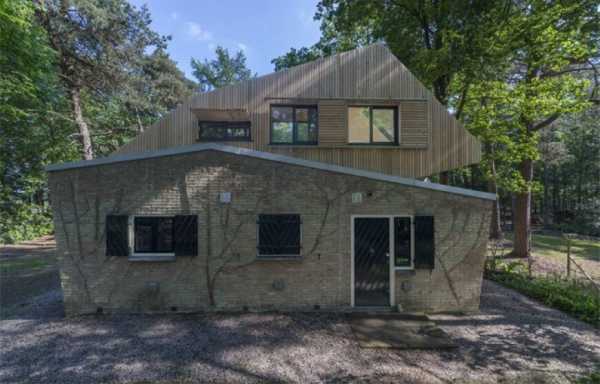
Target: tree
x,y
155,88
97,45
550,42
32,129
447,44
222,71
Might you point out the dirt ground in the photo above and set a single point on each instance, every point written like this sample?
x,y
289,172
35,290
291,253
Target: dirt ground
x,y
512,340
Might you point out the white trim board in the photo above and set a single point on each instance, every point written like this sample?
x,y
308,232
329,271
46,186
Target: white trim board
x,y
192,148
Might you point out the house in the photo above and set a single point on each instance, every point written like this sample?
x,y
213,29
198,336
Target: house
x,y
295,190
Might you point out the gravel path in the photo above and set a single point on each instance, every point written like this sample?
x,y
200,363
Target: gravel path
x,y
510,339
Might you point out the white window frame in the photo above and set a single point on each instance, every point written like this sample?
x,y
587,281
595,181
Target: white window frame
x,y
146,256
280,256
391,258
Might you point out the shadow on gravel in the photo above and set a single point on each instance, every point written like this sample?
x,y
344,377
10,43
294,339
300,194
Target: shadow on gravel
x,y
119,348
515,331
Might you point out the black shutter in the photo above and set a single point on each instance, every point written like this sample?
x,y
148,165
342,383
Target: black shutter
x,y
424,242
117,239
185,229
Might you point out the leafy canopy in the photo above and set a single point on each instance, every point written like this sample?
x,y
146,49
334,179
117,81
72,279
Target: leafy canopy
x,y
224,70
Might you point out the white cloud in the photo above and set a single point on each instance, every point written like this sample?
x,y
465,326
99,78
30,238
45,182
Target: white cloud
x,y
174,15
212,46
196,31
243,47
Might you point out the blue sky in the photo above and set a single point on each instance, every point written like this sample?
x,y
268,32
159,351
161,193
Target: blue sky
x,y
263,29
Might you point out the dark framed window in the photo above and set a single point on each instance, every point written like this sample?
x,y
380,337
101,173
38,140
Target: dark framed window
x,y
153,235
372,125
294,125
279,235
224,131
403,242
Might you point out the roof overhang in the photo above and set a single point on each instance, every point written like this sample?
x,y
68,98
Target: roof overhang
x,y
205,114
186,149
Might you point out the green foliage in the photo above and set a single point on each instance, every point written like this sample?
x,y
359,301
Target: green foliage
x,y
222,71
99,47
437,40
296,57
32,129
592,378
508,110
575,298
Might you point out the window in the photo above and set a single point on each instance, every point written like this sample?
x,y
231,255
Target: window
x,y
224,130
294,125
279,235
372,125
402,242
153,235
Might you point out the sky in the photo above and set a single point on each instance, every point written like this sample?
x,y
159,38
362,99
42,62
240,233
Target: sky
x,y
263,29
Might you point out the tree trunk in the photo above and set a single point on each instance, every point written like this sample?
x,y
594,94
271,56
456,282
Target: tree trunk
x,y
84,132
139,121
522,213
495,228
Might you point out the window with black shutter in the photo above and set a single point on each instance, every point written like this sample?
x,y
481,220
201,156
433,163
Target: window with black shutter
x,y
153,235
424,242
224,130
279,235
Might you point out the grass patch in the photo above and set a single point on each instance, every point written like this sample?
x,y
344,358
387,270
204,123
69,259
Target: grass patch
x,y
556,247
593,378
19,265
575,298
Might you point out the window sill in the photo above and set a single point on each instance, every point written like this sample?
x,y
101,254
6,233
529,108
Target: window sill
x,y
279,257
152,258
405,271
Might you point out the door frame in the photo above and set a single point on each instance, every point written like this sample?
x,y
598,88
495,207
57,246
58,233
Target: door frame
x,y
391,249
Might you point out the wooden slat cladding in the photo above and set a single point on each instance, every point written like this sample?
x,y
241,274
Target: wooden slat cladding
x,y
414,123
332,123
431,140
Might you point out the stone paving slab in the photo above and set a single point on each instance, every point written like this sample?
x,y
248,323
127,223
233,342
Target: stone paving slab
x,y
398,331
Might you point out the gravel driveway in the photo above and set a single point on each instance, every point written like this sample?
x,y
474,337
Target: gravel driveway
x,y
512,337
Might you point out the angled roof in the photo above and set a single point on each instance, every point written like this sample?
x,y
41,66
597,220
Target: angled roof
x,y
434,140
180,150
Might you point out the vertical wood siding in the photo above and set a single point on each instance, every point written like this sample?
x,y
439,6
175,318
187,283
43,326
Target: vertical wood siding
x,y
431,140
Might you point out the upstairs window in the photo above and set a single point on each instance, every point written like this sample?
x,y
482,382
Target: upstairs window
x,y
279,235
224,131
372,125
294,125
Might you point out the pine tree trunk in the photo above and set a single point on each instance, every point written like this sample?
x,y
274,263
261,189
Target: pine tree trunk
x,y
495,228
84,132
522,213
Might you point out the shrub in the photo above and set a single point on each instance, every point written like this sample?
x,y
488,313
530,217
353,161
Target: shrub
x,y
576,298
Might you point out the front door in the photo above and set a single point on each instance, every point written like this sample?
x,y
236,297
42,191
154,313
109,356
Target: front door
x,y
371,261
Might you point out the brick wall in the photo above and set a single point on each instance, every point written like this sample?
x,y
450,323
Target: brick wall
x,y
190,184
